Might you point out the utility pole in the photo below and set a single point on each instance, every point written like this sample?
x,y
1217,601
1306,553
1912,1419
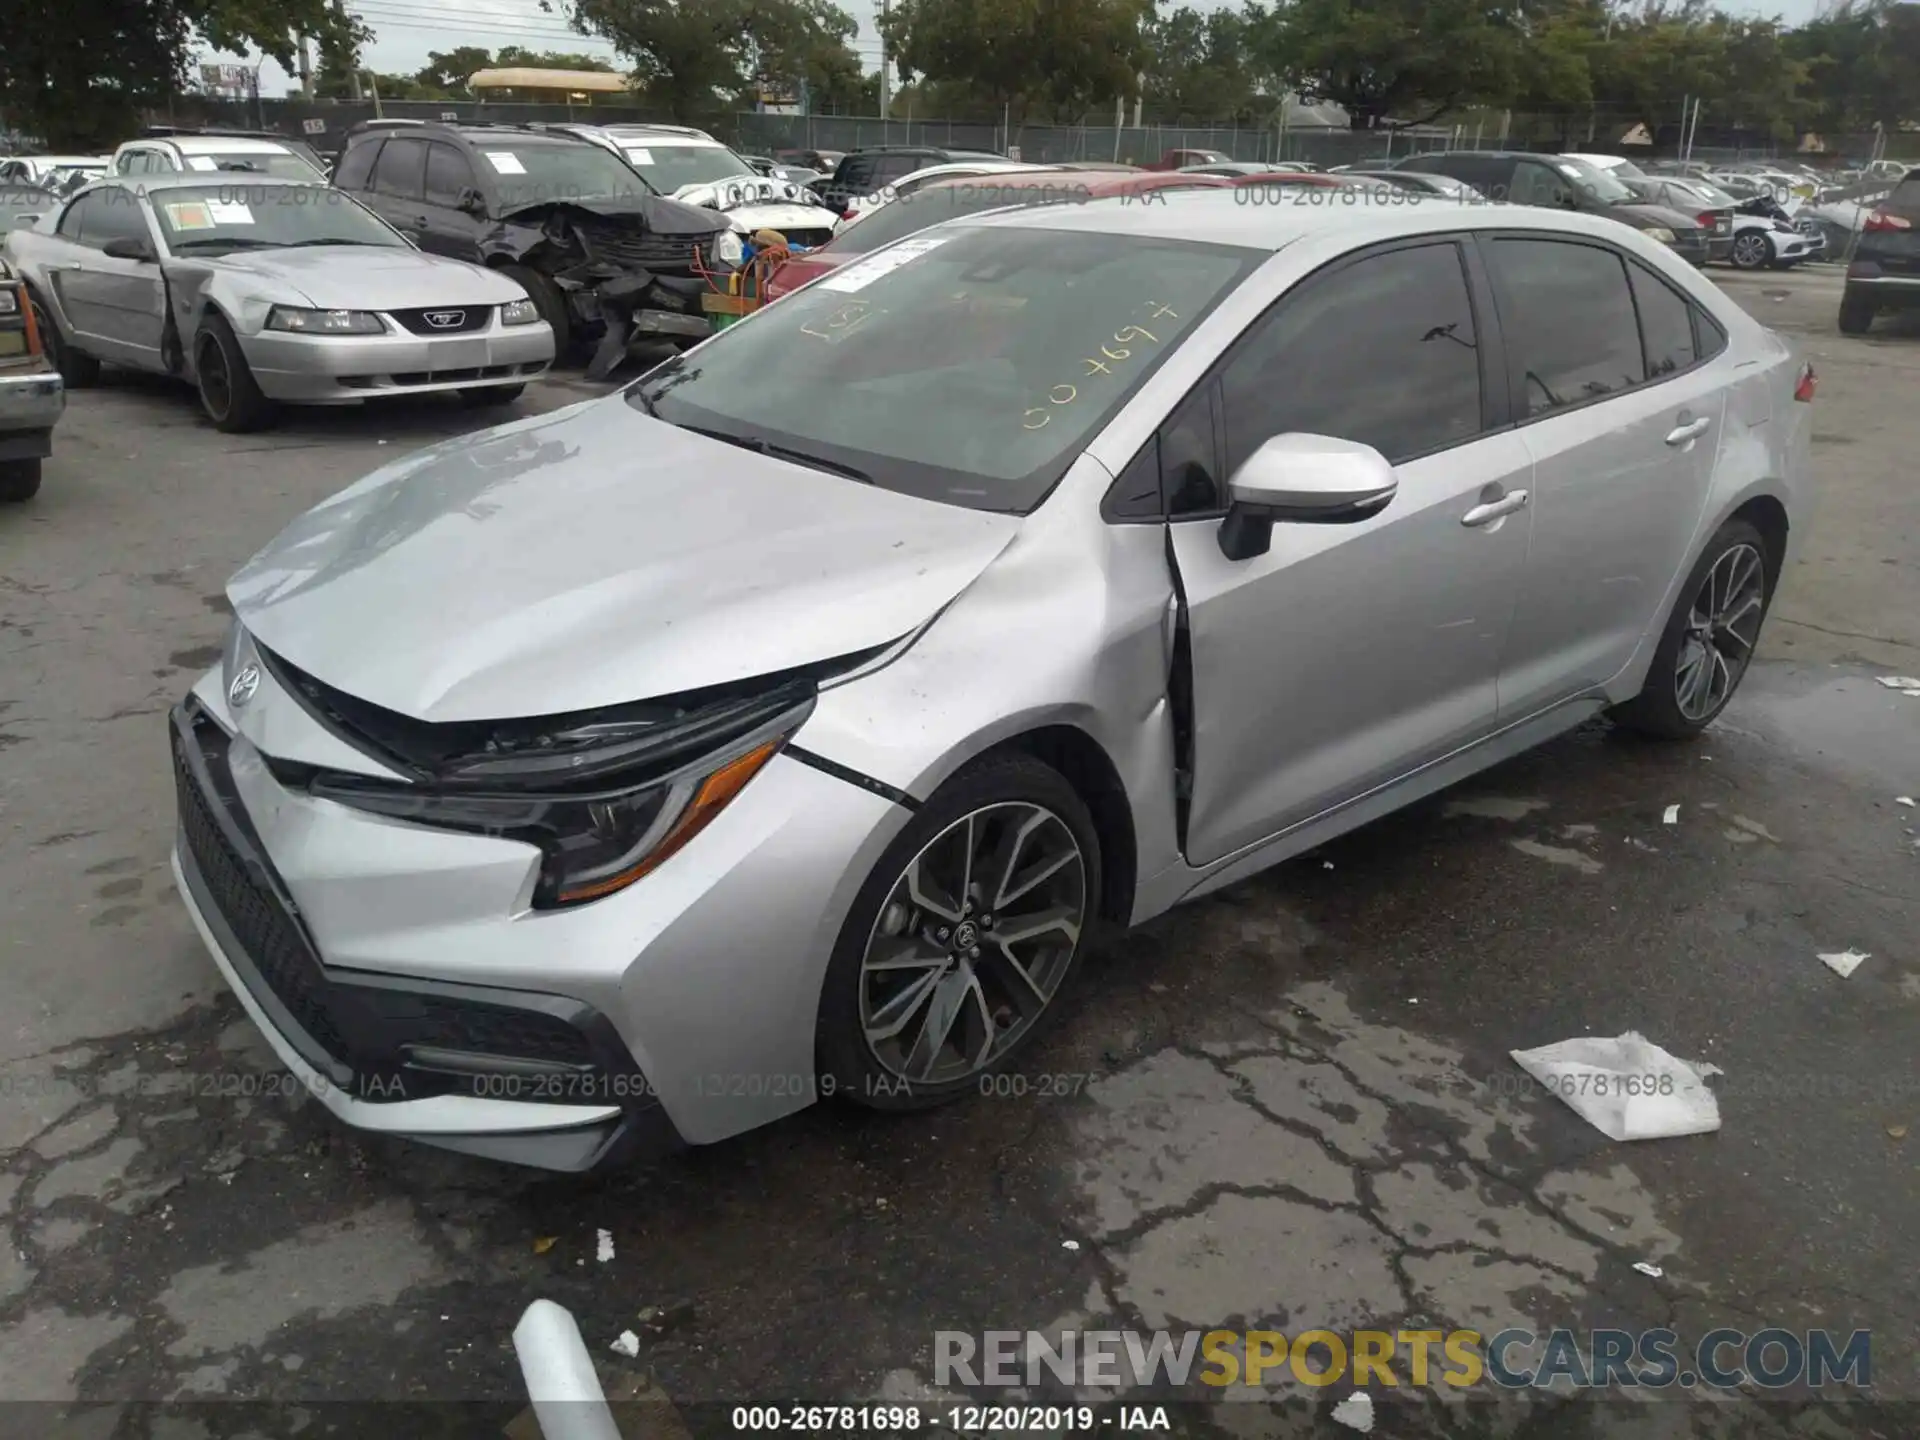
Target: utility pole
x,y
306,66
886,83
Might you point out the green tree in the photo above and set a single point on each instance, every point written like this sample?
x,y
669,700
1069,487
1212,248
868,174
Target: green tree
x,y
446,71
78,74
1862,67
1403,62
1202,67
513,55
699,58
1062,55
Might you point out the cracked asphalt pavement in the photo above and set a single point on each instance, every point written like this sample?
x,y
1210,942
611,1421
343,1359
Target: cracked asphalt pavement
x,y
1287,1106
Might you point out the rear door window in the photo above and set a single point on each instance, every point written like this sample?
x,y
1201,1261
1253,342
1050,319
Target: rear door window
x,y
1567,314
1666,324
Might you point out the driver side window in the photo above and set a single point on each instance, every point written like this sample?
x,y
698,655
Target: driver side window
x,y
1537,184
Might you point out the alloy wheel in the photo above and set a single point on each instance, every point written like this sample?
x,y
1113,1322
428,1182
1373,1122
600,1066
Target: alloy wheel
x,y
1750,251
1722,627
972,943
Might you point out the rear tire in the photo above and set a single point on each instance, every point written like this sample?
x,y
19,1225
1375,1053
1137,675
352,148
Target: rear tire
x,y
551,304
483,397
1015,816
1856,312
1751,251
228,392
19,480
1700,663
77,370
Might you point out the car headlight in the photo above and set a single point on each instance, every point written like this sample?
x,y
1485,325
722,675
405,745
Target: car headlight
x,y
728,248
9,305
324,322
1659,233
519,312
606,803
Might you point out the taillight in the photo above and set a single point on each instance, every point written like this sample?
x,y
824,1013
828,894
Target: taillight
x,y
1804,387
849,214
1880,220
1705,219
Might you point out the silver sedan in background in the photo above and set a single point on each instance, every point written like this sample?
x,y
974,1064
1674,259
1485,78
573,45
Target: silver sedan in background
x,y
258,290
782,726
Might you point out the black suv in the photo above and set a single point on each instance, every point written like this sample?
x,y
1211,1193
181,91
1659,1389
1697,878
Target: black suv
x,y
1517,178
1885,271
865,171
593,246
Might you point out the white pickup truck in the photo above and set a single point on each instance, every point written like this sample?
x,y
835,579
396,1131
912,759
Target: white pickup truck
x,y
32,397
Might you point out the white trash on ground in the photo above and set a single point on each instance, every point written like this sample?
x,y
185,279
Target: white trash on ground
x,y
1672,817
605,1252
1844,963
1908,683
628,1344
1355,1412
1651,1270
1626,1086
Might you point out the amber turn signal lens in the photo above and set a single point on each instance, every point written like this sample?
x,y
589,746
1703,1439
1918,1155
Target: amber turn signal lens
x,y
716,792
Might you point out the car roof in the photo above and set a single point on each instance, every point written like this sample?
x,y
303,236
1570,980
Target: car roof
x,y
194,179
1221,217
218,144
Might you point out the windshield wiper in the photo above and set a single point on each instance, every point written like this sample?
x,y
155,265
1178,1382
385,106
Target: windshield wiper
x,y
375,244
784,452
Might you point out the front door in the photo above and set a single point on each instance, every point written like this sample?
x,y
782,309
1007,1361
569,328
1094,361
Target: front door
x,y
1623,419
449,230
1348,655
116,308
399,188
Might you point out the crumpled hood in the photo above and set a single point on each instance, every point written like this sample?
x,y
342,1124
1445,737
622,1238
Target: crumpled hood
x,y
594,556
749,218
732,193
359,277
661,215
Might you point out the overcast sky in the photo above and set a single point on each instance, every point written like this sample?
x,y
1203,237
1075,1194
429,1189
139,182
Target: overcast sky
x,y
405,30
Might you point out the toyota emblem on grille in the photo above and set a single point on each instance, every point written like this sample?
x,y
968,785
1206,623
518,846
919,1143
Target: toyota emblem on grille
x,y
445,319
243,686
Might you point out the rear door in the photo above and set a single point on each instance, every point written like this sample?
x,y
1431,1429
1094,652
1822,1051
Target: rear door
x,y
1348,655
1619,388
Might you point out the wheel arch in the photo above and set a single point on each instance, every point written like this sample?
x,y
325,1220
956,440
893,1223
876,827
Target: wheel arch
x,y
1085,764
1768,515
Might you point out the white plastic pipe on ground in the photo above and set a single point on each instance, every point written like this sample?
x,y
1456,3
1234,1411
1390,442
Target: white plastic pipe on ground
x,y
566,1394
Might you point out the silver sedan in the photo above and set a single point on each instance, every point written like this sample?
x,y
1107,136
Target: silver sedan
x,y
259,291
782,726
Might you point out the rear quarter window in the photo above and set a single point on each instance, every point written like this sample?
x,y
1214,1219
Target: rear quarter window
x,y
1905,199
356,166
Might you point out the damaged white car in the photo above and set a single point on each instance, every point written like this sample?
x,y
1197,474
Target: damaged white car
x,y
691,166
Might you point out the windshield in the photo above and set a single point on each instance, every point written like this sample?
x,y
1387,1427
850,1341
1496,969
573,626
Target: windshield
x,y
1596,183
281,163
930,204
968,366
199,219
537,172
671,167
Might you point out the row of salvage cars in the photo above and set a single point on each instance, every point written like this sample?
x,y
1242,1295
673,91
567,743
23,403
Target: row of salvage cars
x,y
440,258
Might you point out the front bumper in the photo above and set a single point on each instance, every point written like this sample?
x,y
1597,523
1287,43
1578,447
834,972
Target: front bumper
x,y
398,971
341,369
32,400
1791,249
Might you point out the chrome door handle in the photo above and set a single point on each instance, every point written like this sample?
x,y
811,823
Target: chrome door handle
x,y
1492,510
1692,430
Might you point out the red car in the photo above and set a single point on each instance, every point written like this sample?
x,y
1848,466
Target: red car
x,y
1179,159
972,195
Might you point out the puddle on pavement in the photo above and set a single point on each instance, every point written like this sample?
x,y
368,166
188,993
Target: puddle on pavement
x,y
1842,718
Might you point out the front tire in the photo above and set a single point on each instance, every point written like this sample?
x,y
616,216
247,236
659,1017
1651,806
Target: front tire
x,y
551,304
1709,640
958,948
19,480
1856,312
1751,251
228,392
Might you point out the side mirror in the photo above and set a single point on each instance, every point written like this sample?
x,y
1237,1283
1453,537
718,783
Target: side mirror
x,y
128,247
1302,480
472,202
